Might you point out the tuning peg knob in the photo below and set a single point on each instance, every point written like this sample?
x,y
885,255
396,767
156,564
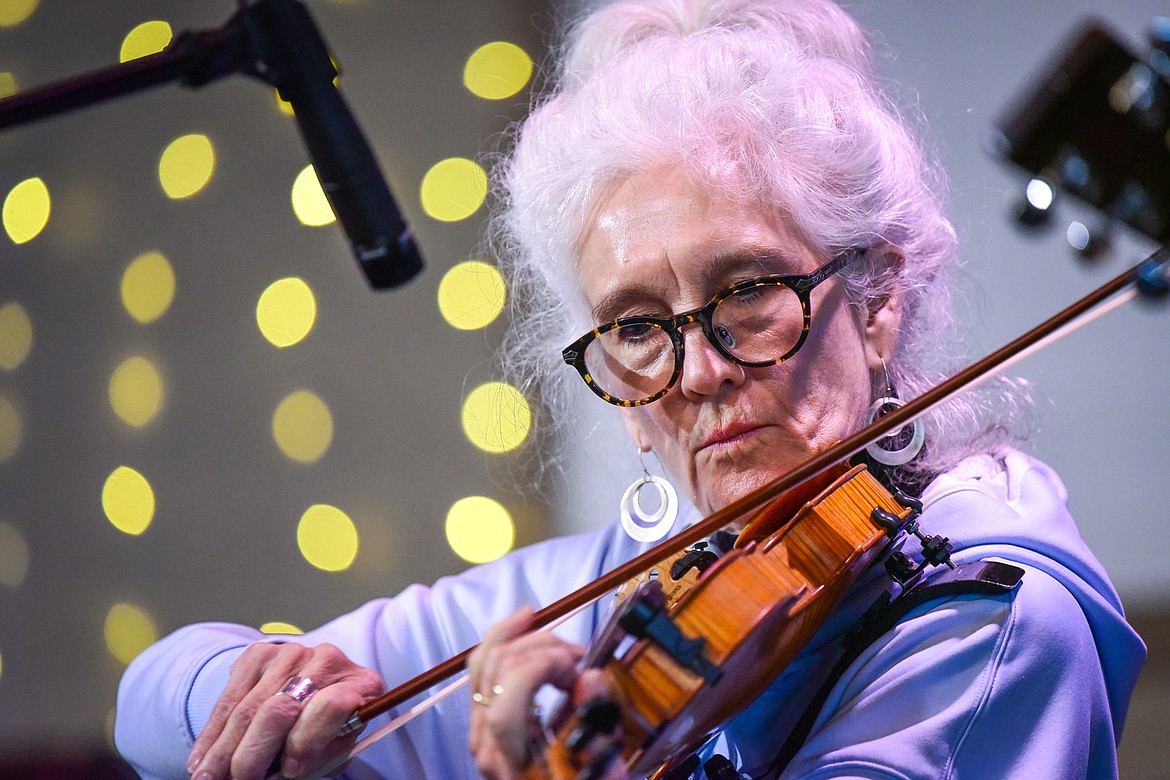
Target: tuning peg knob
x,y
1033,209
1090,243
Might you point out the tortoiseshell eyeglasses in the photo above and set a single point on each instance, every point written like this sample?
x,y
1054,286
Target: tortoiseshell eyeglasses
x,y
634,361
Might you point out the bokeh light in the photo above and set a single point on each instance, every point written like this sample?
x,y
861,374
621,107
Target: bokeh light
x,y
186,165
129,631
453,189
11,430
16,335
148,287
128,501
13,556
497,70
136,391
302,426
479,529
145,39
471,295
308,200
26,210
496,418
8,86
278,627
13,12
286,311
327,538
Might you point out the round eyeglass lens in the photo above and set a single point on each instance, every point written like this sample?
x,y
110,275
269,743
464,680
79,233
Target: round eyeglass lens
x,y
631,362
759,324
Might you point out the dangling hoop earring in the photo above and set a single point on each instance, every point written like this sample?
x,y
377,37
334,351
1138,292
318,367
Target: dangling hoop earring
x,y
640,525
883,406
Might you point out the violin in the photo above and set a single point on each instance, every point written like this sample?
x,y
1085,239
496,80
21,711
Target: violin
x,y
698,660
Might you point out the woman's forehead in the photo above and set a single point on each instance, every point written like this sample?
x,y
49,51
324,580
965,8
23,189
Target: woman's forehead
x,y
703,276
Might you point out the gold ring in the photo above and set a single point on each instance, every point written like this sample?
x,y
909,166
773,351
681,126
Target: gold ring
x,y
484,699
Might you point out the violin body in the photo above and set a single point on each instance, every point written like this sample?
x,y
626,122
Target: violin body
x,y
734,630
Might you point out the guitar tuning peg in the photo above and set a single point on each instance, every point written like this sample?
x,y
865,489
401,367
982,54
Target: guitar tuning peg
x,y
1090,243
1033,209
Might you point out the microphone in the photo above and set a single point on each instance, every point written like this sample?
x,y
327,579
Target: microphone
x,y
290,54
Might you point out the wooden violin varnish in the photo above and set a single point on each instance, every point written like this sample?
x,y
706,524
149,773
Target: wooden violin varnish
x,y
681,657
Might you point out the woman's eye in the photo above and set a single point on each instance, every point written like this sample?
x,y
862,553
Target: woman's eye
x,y
634,333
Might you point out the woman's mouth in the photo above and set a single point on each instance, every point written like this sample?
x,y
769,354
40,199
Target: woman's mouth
x,y
730,436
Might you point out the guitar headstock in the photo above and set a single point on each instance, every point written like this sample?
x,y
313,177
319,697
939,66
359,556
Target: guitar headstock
x,y
1096,124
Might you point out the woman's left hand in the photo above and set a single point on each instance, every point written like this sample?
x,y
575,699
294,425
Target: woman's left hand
x,y
506,671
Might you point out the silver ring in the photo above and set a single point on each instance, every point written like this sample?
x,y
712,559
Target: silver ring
x,y
298,689
485,700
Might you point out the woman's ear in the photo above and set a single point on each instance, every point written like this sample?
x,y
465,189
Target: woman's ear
x,y
633,422
884,312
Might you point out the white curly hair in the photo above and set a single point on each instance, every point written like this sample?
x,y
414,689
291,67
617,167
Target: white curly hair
x,y
773,100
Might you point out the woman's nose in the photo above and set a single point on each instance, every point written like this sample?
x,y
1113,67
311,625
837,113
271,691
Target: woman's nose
x,y
705,369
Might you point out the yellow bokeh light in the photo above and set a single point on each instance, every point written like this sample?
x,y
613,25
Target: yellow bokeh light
x,y
26,210
496,418
471,295
148,287
308,200
136,391
11,429
286,311
147,38
302,426
8,86
128,500
497,70
129,631
453,189
13,12
327,538
16,335
479,529
186,165
279,627
13,556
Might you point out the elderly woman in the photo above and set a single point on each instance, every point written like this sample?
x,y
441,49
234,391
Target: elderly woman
x,y
717,195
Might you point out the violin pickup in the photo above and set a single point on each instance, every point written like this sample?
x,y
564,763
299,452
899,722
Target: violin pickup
x,y
644,616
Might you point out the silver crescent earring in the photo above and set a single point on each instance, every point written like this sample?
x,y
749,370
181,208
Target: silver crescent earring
x,y
892,454
643,526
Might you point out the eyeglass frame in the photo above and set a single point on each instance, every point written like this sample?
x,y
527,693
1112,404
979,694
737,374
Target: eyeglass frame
x,y
801,284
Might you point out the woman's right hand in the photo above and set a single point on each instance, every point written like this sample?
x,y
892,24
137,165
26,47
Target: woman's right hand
x,y
506,670
253,722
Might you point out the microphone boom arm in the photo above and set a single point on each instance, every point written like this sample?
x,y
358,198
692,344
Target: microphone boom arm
x,y
277,42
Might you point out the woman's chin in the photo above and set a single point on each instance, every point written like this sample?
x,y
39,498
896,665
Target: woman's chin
x,y
727,488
